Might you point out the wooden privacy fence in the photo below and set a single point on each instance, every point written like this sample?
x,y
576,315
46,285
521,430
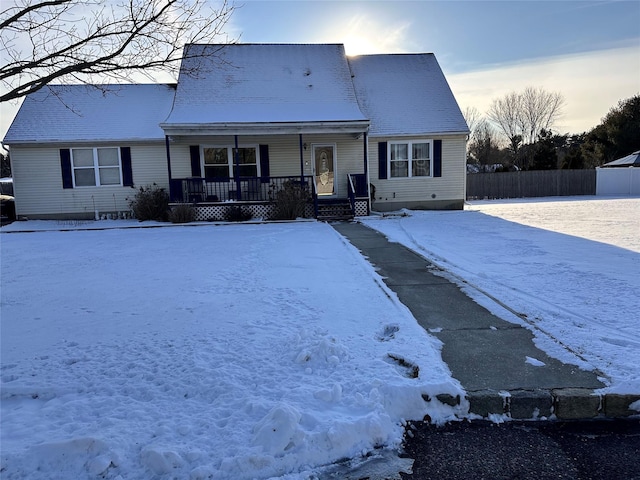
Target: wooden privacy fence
x,y
533,183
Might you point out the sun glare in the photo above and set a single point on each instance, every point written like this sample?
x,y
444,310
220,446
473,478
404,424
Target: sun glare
x,y
359,45
365,34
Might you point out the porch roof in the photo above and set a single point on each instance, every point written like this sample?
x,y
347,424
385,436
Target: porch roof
x,y
264,88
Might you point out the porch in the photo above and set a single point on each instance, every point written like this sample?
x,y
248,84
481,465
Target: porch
x,y
213,198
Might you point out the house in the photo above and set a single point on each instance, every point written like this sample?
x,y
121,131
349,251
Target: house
x,y
242,122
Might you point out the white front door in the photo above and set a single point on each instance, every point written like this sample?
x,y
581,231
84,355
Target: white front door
x,y
324,167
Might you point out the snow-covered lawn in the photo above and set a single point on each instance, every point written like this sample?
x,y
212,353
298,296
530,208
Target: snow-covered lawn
x,y
252,351
193,352
569,267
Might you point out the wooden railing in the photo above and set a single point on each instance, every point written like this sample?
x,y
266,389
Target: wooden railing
x,y
213,190
357,188
359,181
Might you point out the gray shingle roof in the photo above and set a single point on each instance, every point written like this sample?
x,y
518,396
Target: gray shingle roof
x,y
405,94
252,83
72,113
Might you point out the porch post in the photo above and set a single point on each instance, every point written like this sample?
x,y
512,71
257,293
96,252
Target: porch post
x,y
172,194
366,160
236,159
366,170
301,162
166,146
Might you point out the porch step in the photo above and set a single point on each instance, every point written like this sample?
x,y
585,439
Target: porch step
x,y
329,210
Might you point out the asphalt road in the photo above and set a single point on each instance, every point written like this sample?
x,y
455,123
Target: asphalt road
x,y
598,449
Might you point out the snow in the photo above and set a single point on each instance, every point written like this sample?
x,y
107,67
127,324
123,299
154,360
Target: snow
x,y
206,351
74,113
247,83
386,84
566,268
275,350
534,361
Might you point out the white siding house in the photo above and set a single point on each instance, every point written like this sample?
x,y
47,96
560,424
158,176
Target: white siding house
x,y
417,134
242,121
76,150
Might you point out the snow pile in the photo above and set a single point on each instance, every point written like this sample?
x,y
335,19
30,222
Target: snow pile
x,y
565,267
237,351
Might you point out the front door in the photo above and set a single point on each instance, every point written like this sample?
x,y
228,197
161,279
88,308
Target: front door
x,y
324,168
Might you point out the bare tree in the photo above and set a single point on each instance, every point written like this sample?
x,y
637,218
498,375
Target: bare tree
x,y
473,117
45,41
521,117
540,111
484,145
505,113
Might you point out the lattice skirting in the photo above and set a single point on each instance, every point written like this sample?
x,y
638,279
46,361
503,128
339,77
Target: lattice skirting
x,y
220,212
361,208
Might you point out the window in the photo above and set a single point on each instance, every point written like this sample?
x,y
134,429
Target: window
x,y
216,162
96,166
410,159
220,162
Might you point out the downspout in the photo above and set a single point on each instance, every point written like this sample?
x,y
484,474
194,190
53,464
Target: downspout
x,y
237,172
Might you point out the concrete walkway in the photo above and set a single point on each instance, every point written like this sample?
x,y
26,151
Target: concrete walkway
x,y
485,353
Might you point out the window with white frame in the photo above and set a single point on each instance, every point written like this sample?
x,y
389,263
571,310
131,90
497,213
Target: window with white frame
x,y
220,162
96,166
410,159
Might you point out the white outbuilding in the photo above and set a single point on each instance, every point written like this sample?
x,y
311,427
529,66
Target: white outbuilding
x,y
619,177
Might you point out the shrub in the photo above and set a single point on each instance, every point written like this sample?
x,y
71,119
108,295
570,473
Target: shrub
x,y
290,201
182,213
237,214
150,203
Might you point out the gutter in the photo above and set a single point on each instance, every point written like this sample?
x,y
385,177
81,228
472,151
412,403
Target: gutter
x,y
265,128
80,141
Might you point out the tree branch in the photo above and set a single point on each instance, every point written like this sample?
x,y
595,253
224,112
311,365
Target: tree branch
x,y
143,36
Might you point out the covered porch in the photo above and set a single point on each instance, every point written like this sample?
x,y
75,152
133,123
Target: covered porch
x,y
212,198
251,170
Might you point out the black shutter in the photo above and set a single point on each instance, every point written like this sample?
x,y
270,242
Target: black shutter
x,y
437,158
382,160
194,150
264,163
127,171
65,167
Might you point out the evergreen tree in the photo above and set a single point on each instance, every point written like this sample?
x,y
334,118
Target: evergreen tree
x,y
618,134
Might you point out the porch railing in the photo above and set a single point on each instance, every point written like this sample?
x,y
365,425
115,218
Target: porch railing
x,y
359,181
213,190
357,188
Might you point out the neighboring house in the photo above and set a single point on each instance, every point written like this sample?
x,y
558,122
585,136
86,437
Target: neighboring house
x,y
242,122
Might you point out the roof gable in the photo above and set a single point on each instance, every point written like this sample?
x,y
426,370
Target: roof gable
x,y
253,83
405,94
77,113
257,88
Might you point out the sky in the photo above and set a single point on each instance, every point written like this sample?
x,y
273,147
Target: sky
x,y
589,51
